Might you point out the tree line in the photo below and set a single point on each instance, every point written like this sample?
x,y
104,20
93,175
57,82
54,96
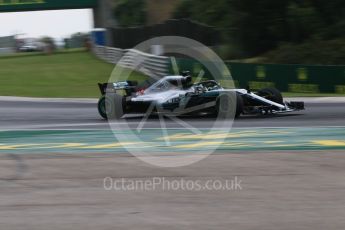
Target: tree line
x,y
255,27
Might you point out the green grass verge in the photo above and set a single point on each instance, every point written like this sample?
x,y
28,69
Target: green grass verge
x,y
288,94
71,73
64,74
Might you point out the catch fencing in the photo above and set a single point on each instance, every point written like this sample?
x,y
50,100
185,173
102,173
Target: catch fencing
x,y
148,64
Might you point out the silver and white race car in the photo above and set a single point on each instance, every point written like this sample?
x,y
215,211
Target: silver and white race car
x,y
177,95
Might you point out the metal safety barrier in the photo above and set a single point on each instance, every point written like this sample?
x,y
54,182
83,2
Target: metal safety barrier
x,y
148,64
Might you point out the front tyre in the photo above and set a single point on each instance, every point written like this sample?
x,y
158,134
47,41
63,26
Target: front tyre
x,y
271,94
110,106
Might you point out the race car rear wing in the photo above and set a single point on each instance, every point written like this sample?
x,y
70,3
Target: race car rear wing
x,y
128,86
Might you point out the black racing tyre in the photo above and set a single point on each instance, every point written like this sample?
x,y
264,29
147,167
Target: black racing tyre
x,y
229,105
110,106
101,107
239,105
271,94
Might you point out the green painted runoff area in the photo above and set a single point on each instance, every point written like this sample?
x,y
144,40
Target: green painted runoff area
x,y
172,140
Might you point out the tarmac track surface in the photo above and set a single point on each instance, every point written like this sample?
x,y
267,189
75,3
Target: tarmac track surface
x,y
280,190
83,115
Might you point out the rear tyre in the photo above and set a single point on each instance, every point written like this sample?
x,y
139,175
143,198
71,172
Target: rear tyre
x,y
239,105
110,106
271,94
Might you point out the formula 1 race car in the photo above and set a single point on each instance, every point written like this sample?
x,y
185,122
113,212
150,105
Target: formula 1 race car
x,y
177,95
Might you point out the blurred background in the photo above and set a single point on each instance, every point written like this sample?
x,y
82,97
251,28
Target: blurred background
x,y
81,40
292,31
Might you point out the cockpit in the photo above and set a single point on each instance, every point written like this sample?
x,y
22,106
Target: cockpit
x,y
170,83
207,86
182,83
